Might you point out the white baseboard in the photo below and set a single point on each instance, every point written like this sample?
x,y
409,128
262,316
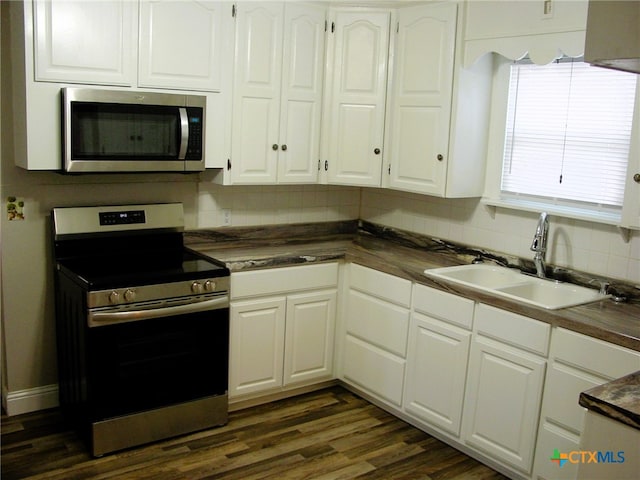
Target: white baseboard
x,y
30,400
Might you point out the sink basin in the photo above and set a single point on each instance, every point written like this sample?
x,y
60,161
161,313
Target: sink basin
x,y
511,283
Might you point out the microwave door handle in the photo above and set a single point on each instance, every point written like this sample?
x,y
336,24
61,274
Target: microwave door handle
x,y
184,132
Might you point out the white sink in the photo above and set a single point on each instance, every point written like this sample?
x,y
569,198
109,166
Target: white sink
x,y
511,283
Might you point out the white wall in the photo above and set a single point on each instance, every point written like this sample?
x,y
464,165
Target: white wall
x,y
584,246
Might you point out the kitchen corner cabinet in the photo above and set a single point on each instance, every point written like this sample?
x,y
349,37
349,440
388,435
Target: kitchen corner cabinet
x,y
437,354
576,363
375,333
85,42
439,111
282,328
277,93
357,66
506,373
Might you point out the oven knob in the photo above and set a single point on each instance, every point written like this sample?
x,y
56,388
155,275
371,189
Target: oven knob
x,y
196,287
129,295
209,286
114,297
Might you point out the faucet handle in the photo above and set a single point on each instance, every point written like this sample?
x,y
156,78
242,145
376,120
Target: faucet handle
x,y
604,286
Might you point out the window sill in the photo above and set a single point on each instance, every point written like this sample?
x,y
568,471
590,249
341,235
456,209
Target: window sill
x,y
576,213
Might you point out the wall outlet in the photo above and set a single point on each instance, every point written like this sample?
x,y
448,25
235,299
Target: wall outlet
x,y
226,217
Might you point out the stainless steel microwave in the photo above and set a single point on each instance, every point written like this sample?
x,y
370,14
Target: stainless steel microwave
x,y
127,131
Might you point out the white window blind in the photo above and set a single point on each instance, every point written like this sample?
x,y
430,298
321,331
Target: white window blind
x,y
568,132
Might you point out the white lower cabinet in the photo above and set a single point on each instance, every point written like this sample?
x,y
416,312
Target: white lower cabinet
x,y
504,387
437,358
576,363
282,328
376,324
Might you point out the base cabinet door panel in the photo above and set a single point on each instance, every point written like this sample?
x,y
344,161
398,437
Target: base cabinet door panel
x,y
436,372
257,345
309,336
503,401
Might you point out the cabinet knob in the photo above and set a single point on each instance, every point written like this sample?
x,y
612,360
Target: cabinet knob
x,y
636,178
274,146
284,147
440,157
376,151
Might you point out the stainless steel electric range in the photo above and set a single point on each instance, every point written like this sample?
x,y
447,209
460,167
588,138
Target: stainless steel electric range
x,y
142,326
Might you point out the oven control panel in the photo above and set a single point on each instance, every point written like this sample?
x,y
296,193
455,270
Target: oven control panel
x,y
154,293
122,218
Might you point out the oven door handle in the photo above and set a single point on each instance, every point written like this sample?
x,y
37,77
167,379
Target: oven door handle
x,y
99,319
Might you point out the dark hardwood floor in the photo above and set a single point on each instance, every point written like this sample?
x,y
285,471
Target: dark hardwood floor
x,y
329,434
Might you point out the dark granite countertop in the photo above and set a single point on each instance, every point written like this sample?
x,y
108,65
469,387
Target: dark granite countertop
x,y
619,399
407,255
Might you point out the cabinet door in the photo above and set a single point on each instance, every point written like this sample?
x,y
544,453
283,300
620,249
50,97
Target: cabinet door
x,y
86,42
436,372
301,104
256,102
182,44
256,345
309,336
631,204
502,402
356,120
421,99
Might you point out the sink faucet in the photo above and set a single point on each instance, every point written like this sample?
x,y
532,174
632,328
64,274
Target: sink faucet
x,y
539,244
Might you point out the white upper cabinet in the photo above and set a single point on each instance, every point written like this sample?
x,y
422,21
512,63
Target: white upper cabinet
x,y
359,48
86,42
278,93
182,44
631,205
421,98
159,44
438,122
542,28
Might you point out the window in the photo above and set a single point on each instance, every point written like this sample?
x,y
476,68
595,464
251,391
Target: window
x,y
567,137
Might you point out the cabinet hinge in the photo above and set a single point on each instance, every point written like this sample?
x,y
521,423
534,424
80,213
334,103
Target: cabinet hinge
x,y
398,27
233,10
326,165
228,164
333,27
319,163
389,170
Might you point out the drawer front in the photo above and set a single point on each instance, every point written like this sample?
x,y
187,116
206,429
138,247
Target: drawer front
x,y
562,390
445,306
374,369
514,329
593,355
381,285
378,322
283,280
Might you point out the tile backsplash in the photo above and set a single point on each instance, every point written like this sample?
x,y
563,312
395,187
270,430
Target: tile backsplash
x,y
267,205
574,244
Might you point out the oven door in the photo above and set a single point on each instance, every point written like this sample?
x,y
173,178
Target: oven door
x,y
140,365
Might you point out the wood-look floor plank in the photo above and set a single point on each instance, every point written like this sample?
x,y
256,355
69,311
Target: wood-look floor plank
x,y
327,435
